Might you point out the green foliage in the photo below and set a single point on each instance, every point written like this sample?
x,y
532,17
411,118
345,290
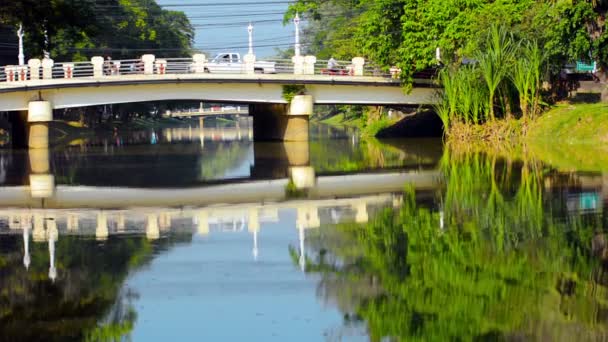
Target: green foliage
x,y
406,33
291,90
78,30
492,263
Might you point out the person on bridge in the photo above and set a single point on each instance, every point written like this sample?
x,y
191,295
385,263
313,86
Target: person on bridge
x,y
332,65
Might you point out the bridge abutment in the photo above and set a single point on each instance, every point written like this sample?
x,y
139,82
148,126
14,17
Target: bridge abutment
x,y
281,122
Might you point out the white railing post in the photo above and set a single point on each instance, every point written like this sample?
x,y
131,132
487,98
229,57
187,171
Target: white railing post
x,y
161,66
47,68
249,64
68,70
148,64
115,68
309,65
198,63
358,63
298,65
34,65
97,62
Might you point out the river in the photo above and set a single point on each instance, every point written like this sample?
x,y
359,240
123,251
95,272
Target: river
x,y
192,233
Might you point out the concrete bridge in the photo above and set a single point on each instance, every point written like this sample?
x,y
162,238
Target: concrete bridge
x,y
32,92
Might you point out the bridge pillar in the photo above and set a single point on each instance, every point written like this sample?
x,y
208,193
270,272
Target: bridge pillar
x,y
298,65
148,64
34,65
97,62
47,68
309,65
282,122
198,63
249,64
358,63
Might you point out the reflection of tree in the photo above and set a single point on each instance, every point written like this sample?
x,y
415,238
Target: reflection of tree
x,y
87,290
492,265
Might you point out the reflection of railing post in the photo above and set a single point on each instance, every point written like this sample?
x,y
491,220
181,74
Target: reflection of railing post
x,y
152,230
52,235
26,248
202,216
101,232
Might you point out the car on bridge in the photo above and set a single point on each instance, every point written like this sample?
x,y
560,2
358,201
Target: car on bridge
x,y
231,63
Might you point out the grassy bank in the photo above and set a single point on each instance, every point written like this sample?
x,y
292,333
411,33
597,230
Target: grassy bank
x,y
340,120
571,137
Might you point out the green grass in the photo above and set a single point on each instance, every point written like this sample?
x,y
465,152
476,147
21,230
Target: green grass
x,y
572,137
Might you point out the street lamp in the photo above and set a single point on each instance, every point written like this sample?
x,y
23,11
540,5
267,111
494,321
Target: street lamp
x,y
296,22
250,30
21,56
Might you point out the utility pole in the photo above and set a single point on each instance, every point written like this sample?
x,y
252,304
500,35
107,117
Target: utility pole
x,y
21,56
296,22
250,31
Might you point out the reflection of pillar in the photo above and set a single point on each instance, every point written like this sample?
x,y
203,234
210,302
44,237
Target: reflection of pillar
x,y
253,223
42,182
202,217
101,232
72,222
120,222
39,233
361,216
26,248
303,177
441,226
164,221
152,230
308,217
53,234
272,160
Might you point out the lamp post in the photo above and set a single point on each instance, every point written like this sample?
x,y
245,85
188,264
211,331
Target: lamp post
x,y
250,31
21,56
296,22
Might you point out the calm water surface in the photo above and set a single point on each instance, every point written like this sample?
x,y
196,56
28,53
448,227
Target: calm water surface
x,y
190,234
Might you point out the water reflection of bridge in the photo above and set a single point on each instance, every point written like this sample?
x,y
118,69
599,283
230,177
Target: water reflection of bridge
x,y
68,209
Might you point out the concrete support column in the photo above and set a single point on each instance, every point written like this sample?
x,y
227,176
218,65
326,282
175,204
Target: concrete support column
x,y
47,68
309,65
148,64
282,122
249,64
161,66
68,70
298,65
34,65
97,62
358,63
198,63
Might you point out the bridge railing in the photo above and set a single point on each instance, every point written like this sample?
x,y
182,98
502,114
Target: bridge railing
x,y
111,68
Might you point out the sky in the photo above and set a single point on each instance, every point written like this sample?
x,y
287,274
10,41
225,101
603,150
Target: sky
x,y
222,25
